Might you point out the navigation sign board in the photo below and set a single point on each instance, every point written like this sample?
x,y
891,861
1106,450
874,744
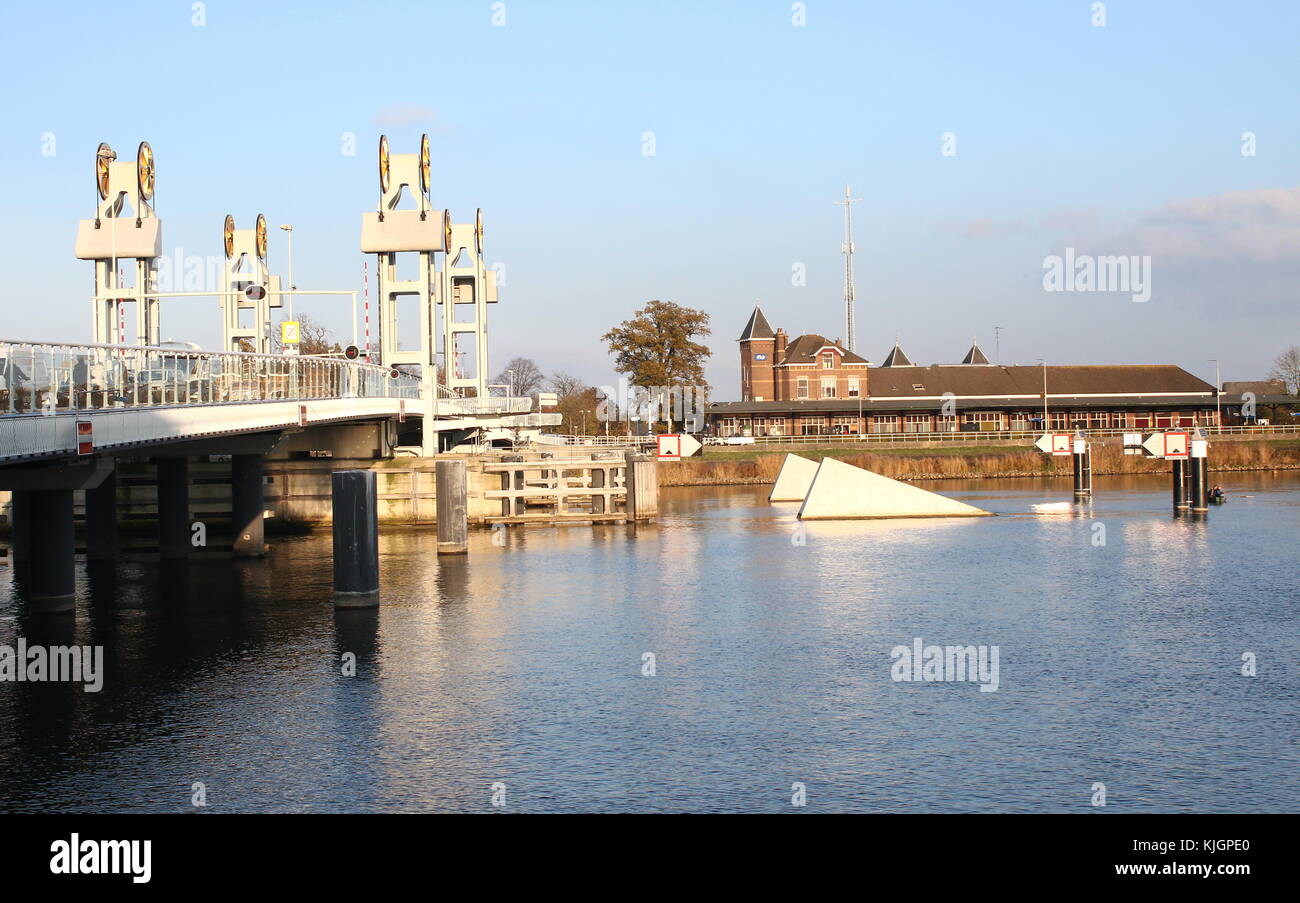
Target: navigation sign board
x,y
1173,445
1132,443
674,447
290,332
1056,444
547,399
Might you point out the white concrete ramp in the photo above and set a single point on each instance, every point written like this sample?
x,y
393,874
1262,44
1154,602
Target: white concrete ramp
x,y
794,479
841,491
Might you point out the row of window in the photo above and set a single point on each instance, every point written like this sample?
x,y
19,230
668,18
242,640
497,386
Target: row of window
x,y
829,387
849,424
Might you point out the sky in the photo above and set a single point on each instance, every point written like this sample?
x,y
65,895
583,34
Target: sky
x,y
694,152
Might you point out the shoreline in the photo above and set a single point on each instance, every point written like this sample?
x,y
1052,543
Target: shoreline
x,y
986,463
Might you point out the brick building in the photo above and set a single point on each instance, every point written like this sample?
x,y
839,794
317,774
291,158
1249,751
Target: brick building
x,y
772,368
811,386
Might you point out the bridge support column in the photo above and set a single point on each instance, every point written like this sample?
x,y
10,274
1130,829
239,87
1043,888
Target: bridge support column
x,y
356,538
20,528
247,505
453,507
173,507
50,582
101,519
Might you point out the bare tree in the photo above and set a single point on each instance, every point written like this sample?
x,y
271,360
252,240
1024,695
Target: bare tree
x,y
1286,367
313,338
526,379
566,384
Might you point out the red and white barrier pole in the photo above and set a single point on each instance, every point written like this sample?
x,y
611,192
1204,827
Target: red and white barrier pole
x,y
365,294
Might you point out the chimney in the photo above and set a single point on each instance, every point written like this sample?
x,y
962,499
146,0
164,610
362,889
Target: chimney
x,y
780,345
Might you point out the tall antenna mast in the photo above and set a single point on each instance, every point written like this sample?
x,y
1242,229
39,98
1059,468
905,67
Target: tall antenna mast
x,y
849,291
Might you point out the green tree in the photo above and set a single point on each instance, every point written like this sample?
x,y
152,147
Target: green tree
x,y
657,348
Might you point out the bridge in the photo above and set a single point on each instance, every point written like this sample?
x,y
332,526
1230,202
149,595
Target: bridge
x,y
69,410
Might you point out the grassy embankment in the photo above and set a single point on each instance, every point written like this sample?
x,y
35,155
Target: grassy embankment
x,y
741,465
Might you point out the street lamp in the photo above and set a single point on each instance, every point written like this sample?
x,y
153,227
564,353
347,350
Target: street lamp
x,y
512,383
584,421
289,301
1046,426
1218,386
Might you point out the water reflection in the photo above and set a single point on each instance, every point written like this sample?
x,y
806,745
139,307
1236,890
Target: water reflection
x,y
523,661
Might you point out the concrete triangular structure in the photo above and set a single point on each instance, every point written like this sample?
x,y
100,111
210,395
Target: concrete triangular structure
x,y
794,479
841,491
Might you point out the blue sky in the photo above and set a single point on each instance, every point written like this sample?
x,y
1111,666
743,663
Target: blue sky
x,y
1122,139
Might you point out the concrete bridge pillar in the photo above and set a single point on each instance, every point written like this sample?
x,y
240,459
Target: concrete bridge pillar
x,y
173,507
50,579
101,519
247,505
20,528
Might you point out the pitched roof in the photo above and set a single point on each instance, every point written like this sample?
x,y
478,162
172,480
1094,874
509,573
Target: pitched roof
x,y
997,381
1269,391
896,358
803,350
975,356
757,327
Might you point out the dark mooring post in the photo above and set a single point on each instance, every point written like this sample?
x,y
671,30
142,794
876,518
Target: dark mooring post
x,y
1198,462
1180,485
50,582
1082,469
101,519
356,538
247,505
453,507
173,507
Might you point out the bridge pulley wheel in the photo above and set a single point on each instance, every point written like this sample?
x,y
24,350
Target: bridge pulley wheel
x,y
424,163
446,231
384,170
144,170
103,157
478,231
261,237
229,234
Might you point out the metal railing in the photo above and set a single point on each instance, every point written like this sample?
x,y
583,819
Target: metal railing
x,y
557,440
52,377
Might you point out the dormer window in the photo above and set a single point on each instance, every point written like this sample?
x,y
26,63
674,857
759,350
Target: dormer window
x,y
828,360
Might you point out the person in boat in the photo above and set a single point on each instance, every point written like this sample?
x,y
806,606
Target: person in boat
x,y
1217,492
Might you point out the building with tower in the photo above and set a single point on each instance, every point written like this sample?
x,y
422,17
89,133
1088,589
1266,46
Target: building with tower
x,y
811,385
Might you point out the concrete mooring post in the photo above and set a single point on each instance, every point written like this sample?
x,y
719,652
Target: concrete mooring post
x,y
453,507
356,538
642,482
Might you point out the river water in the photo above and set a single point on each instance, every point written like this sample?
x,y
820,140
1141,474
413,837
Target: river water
x,y
719,660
